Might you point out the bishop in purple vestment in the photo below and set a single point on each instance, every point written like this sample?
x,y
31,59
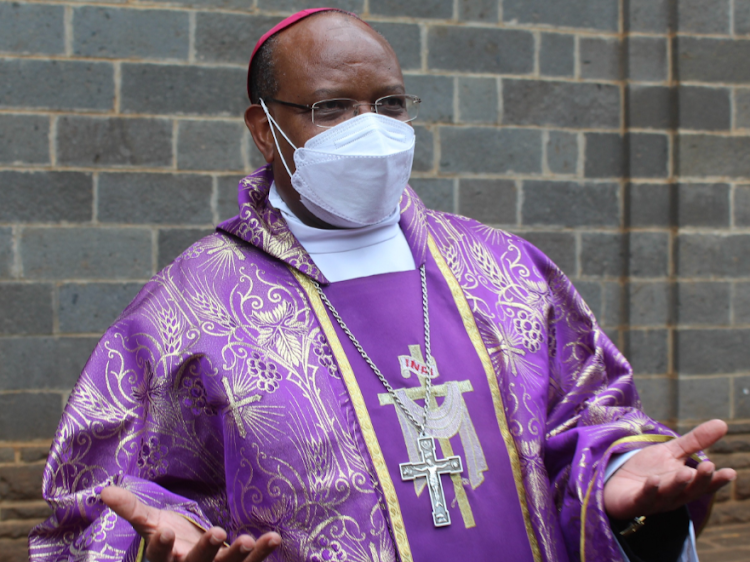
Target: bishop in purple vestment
x,y
229,393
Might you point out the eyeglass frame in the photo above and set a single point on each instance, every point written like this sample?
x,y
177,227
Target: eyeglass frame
x,y
373,105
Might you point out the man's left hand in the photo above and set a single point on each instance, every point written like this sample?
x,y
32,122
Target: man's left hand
x,y
657,480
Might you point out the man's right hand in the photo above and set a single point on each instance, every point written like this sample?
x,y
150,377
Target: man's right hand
x,y
172,538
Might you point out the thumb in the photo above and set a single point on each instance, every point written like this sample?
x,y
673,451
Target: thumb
x,y
702,437
125,504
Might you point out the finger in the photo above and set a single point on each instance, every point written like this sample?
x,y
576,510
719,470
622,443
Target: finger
x,y
264,546
125,504
208,546
239,550
160,545
702,437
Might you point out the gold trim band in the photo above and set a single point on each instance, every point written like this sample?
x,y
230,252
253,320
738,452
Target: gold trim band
x,y
363,416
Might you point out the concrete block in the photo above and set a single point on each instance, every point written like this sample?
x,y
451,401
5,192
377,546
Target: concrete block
x,y
742,205
702,204
442,9
23,417
227,204
570,204
494,151
174,241
649,303
32,28
649,155
648,351
36,363
647,59
93,307
741,303
210,145
703,16
600,58
562,152
591,293
650,204
560,247
709,255
703,399
155,198
86,253
605,155
603,254
651,107
561,104
587,14
649,254
437,96
229,38
161,89
125,33
742,397
30,455
710,155
465,49
703,59
708,109
650,16
615,302
742,108
58,85
405,38
25,309
24,139
435,193
488,201
478,10
557,54
114,141
424,150
729,352
356,6
478,100
46,197
6,252
703,303
658,397
742,17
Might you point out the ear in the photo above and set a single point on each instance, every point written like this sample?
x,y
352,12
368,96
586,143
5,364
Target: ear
x,y
260,129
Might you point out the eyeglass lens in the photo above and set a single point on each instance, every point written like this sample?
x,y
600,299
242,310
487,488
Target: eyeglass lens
x,y
328,113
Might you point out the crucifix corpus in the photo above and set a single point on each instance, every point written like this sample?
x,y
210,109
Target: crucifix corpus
x,y
431,469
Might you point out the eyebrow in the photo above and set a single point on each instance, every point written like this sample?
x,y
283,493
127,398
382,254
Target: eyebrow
x,y
335,93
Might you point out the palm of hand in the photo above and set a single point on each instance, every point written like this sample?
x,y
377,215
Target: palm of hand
x,y
657,480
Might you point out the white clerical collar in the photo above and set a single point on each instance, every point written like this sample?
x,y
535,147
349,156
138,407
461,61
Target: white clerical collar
x,y
348,253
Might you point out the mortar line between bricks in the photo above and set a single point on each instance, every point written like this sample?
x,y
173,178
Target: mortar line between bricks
x,y
112,226
175,134
53,140
154,250
55,289
191,36
68,30
731,18
95,199
117,77
62,282
214,199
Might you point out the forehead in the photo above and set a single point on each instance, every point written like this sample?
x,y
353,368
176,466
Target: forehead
x,y
331,48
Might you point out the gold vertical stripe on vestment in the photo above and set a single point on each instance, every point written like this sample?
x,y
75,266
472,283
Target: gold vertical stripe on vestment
x,y
654,438
363,416
472,331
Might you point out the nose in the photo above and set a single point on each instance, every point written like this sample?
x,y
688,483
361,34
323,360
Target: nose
x,y
360,107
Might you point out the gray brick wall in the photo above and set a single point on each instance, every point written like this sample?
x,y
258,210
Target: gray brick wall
x,y
613,134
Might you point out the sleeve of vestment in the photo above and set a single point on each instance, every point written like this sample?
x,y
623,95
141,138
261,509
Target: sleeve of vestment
x,y
594,412
137,418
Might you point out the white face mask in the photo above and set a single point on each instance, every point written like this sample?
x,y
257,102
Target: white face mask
x,y
353,174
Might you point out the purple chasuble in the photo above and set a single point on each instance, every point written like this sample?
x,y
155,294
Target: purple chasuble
x,y
385,314
225,393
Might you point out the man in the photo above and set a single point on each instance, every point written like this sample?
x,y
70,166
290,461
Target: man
x,y
346,375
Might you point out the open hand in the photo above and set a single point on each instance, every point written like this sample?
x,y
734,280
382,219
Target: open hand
x,y
656,479
172,538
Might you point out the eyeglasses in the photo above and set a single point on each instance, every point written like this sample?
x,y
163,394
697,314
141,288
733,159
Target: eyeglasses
x,y
329,113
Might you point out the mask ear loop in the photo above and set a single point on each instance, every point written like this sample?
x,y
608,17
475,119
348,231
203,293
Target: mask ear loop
x,y
275,139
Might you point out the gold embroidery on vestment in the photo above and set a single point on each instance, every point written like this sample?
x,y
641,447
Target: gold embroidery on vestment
x,y
363,416
473,332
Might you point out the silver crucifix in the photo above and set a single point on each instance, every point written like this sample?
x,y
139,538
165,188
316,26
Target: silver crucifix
x,y
431,468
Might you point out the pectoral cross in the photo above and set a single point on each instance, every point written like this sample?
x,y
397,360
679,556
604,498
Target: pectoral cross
x,y
431,468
